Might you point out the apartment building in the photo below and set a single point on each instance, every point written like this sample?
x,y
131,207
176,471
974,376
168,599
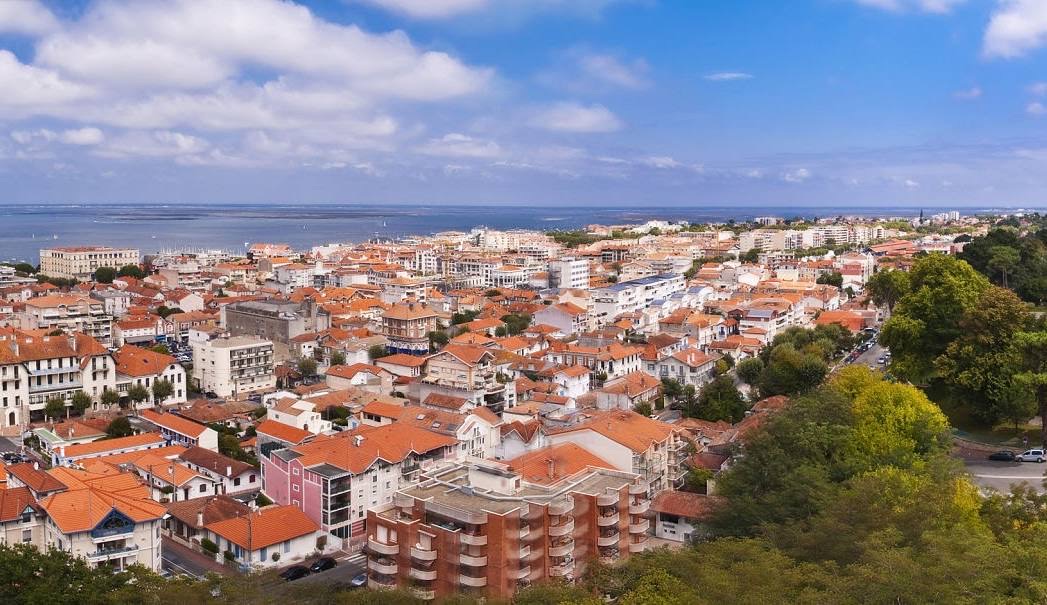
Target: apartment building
x,y
69,312
566,317
336,479
34,369
144,367
177,430
229,475
407,326
632,443
80,262
234,366
689,367
467,372
633,295
486,528
569,273
277,321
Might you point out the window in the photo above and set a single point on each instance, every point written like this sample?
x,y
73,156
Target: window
x,y
203,487
236,482
27,536
295,487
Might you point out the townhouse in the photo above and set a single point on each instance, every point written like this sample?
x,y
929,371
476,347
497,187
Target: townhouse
x,y
467,372
70,313
145,367
234,366
177,430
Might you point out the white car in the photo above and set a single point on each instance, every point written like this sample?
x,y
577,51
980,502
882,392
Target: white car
x,y
1032,456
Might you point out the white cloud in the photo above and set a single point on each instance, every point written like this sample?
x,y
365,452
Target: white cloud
x,y
612,70
1036,109
26,17
158,143
429,9
910,184
574,117
83,136
29,89
798,175
444,9
727,76
1017,27
1038,89
969,94
925,6
460,145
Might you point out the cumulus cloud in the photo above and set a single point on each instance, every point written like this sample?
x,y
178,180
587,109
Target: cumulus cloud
x,y
574,117
727,76
26,17
924,6
428,9
1017,27
968,94
1036,109
83,136
459,145
797,175
444,9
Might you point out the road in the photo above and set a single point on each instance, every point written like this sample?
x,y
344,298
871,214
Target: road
x,y
181,560
1002,475
348,566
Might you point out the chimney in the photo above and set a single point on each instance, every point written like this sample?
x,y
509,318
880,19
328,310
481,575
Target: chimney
x,y
552,468
358,440
170,469
229,470
200,518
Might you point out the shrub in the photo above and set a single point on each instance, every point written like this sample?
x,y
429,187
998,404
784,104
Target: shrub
x,y
209,546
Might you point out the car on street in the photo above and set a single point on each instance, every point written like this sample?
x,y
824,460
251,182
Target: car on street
x,y
1036,455
358,581
295,572
323,564
1004,456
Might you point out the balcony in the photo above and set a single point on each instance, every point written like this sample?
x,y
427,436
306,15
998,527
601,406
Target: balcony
x,y
608,540
382,548
105,554
605,520
382,566
379,582
424,594
639,527
474,581
472,561
524,532
472,539
561,548
423,554
607,499
563,570
521,573
638,546
638,489
561,507
422,574
639,507
562,529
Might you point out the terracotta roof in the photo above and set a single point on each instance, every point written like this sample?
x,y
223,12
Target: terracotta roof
x,y
348,372
685,504
167,471
551,464
110,445
386,410
391,443
526,430
168,452
447,402
467,354
36,479
92,496
174,423
265,527
13,503
282,432
214,508
403,359
74,429
628,428
215,462
136,361
409,311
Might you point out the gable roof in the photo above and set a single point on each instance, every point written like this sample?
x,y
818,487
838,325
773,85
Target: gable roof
x,y
111,445
357,450
214,508
551,464
265,527
91,497
626,427
136,361
174,423
282,432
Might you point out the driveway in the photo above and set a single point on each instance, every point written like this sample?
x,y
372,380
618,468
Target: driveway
x,y
1002,475
182,560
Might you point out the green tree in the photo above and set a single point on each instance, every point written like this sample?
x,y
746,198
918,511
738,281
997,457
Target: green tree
x,y
131,271
719,400
751,256
307,367
119,427
657,587
1003,259
1032,351
104,275
643,408
109,397
886,288
337,358
54,408
81,402
833,279
162,389
749,370
161,349
516,323
137,394
376,352
789,372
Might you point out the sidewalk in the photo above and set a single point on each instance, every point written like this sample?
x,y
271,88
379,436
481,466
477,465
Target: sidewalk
x,y
190,561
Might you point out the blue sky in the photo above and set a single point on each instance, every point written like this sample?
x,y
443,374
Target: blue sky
x,y
545,102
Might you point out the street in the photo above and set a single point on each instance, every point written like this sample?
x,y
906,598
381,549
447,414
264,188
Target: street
x,y
1002,475
181,560
339,577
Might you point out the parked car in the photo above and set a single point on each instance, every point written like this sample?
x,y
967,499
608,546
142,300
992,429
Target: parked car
x,y
323,564
1032,456
295,572
358,581
1004,456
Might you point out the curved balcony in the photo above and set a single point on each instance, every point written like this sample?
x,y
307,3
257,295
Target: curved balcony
x,y
639,527
472,539
474,581
607,499
382,566
638,489
610,540
640,507
524,532
472,561
562,529
563,570
638,546
561,507
605,520
423,554
423,594
422,574
381,547
380,583
521,573
561,549
525,551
